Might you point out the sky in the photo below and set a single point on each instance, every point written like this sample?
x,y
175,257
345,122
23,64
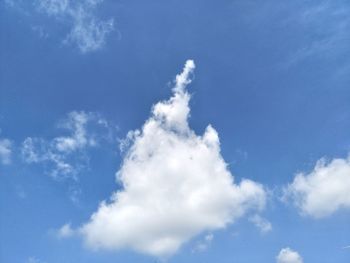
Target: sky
x,y
174,131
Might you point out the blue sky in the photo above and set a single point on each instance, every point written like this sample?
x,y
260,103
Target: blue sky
x,y
270,77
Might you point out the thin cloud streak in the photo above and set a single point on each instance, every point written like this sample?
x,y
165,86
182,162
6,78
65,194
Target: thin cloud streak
x,y
328,25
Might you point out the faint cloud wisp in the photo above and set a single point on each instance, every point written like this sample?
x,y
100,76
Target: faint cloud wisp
x,y
5,151
86,30
65,156
261,223
326,27
203,244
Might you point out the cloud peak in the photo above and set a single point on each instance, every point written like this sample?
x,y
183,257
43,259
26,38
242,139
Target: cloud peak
x,y
176,185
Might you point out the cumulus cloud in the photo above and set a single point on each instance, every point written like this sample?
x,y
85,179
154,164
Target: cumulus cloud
x,y
324,190
287,255
5,151
176,185
65,156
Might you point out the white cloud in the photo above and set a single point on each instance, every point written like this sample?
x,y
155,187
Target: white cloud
x,y
287,255
261,223
87,31
324,190
79,138
37,150
176,185
65,156
5,151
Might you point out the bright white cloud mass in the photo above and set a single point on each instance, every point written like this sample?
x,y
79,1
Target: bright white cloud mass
x,y
287,255
324,190
176,185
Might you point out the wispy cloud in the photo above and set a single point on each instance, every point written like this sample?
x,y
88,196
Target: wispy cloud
x,y
203,244
326,25
261,223
65,231
176,185
5,151
86,30
34,260
65,156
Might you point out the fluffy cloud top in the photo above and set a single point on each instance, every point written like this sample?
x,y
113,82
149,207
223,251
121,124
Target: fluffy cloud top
x,y
176,185
287,255
87,31
324,190
5,151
